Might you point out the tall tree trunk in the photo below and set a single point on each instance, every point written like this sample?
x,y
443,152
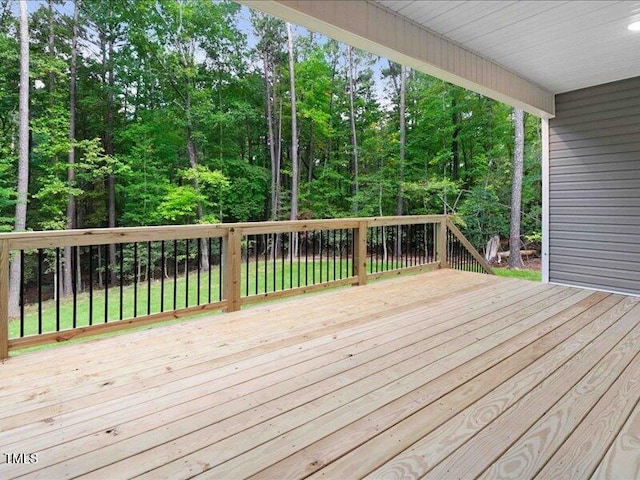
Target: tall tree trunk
x,y
403,136
515,260
109,150
193,161
311,154
23,158
455,142
275,166
71,201
354,138
294,129
192,153
402,115
52,54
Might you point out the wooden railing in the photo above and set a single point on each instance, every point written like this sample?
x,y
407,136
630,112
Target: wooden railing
x,y
118,278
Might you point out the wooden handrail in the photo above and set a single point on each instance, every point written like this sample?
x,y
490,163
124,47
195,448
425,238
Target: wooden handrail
x,y
231,235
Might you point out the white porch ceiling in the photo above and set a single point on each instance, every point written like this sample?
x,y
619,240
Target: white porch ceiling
x,y
558,45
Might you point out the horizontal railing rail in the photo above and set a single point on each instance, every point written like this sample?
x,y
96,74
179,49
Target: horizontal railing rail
x,y
76,283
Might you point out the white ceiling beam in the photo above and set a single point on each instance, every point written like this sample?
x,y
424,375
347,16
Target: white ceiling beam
x,y
371,27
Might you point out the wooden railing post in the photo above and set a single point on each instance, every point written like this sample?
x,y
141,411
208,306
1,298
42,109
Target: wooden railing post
x,y
4,299
232,254
442,242
360,252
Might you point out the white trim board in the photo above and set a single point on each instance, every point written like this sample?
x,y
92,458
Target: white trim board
x,y
594,289
545,200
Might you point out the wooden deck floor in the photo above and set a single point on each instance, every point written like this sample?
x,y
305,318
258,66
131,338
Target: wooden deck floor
x,y
440,375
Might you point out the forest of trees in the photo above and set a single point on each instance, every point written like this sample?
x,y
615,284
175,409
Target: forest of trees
x,y
150,113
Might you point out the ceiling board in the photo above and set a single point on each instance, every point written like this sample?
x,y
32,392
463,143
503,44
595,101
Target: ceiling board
x,y
559,45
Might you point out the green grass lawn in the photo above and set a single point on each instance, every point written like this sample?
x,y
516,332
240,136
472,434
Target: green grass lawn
x,y
533,275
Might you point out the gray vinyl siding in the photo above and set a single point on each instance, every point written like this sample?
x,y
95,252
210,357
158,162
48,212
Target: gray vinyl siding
x,y
594,188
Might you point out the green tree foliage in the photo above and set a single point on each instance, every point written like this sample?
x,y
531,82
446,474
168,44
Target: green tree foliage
x,y
194,138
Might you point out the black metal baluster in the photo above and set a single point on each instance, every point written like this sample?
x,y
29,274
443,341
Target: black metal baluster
x,y
313,254
373,239
425,234
385,237
394,247
186,273
120,249
90,284
74,287
266,262
135,279
199,259
40,261
291,249
21,293
209,257
370,247
379,251
306,259
413,244
282,261
246,279
106,283
256,262
334,255
163,260
275,254
149,272
297,252
353,252
320,248
348,252
58,289
175,274
340,250
220,268
407,245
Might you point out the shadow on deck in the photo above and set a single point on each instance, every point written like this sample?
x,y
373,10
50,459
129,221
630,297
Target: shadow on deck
x,y
446,374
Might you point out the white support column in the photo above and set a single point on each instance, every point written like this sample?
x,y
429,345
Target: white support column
x,y
545,200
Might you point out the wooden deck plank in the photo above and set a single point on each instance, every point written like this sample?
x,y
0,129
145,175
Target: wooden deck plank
x,y
622,460
337,309
445,374
202,361
530,453
246,461
252,369
349,357
234,338
581,453
474,457
413,427
353,386
431,448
